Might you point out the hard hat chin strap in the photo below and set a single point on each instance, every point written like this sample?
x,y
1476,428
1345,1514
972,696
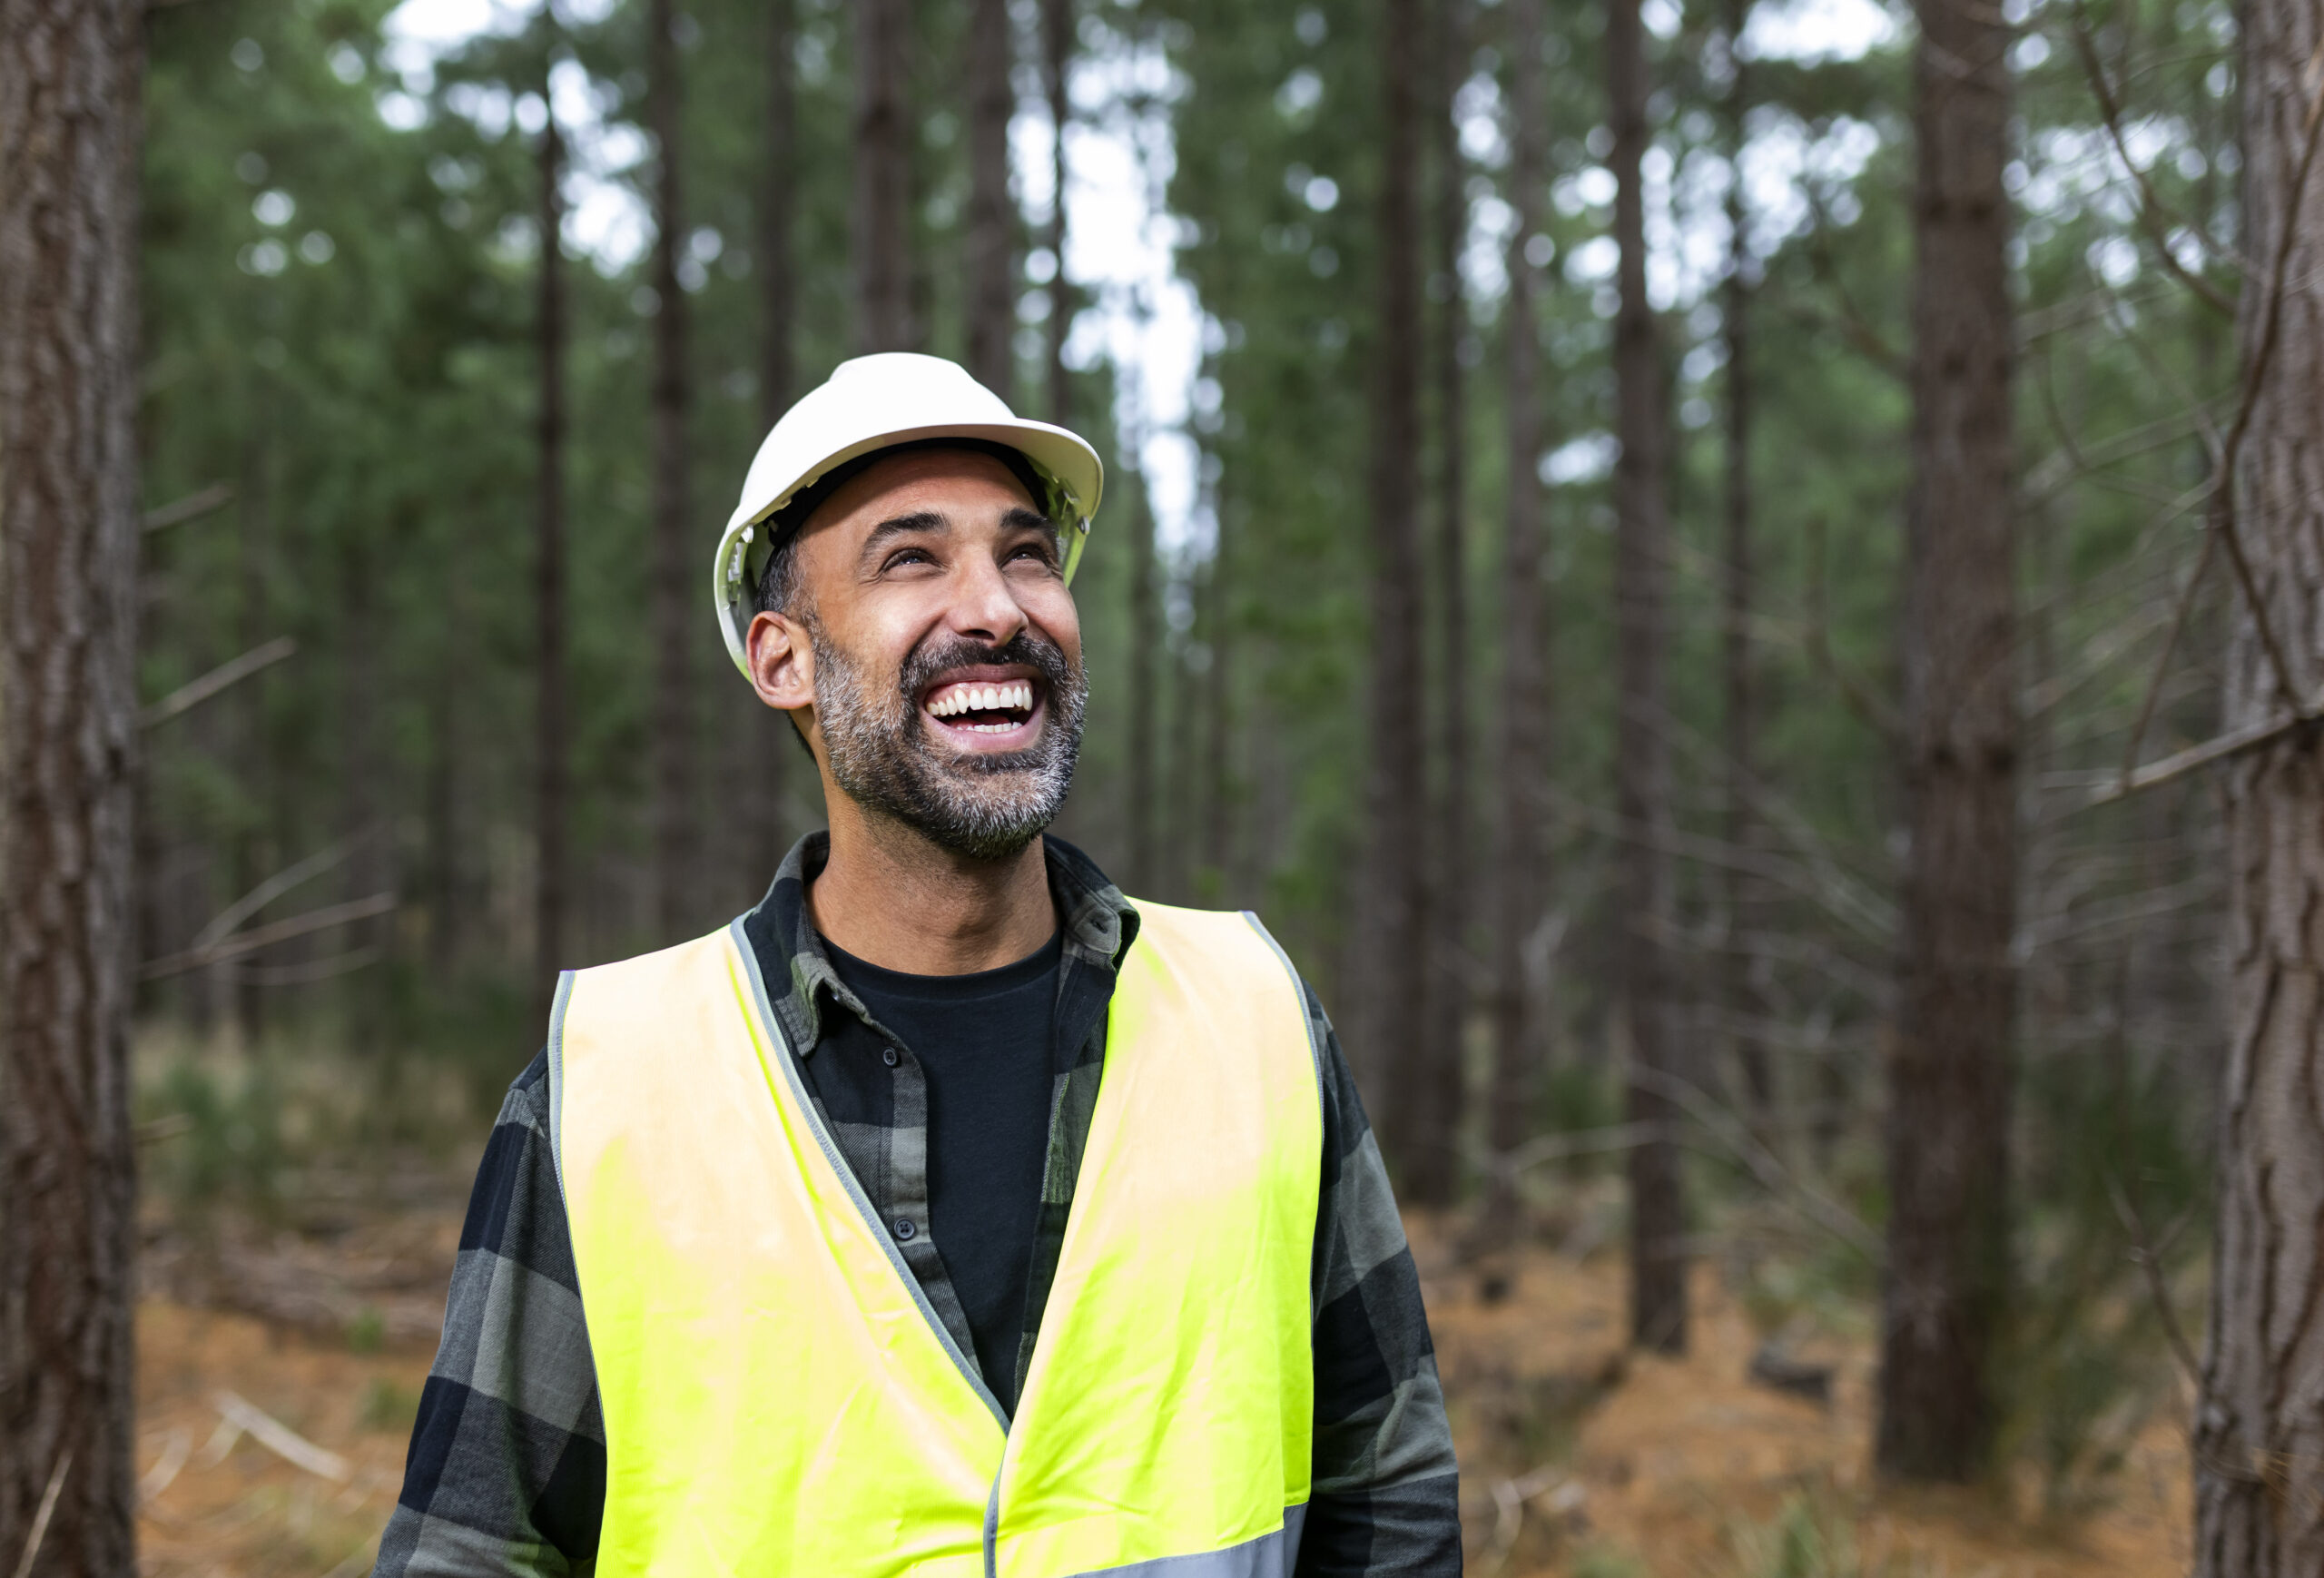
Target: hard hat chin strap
x,y
1073,549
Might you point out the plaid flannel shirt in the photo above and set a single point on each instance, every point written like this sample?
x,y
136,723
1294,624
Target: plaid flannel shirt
x,y
507,1470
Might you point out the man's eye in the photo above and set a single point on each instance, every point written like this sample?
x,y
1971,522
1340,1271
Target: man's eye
x,y
908,556
1036,552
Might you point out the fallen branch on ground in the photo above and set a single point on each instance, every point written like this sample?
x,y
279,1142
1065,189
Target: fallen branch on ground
x,y
280,1439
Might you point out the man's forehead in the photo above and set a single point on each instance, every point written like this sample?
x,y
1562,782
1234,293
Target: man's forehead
x,y
925,479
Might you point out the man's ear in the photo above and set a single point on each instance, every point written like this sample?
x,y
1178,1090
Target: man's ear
x,y
782,662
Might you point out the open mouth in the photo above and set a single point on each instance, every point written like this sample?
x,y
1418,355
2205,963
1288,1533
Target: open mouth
x,y
984,710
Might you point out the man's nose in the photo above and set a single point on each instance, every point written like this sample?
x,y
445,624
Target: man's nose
x,y
986,608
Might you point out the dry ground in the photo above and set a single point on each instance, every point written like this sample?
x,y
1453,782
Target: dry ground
x,y
1579,1459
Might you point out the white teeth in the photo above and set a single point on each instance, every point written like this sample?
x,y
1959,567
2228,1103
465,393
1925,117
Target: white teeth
x,y
953,700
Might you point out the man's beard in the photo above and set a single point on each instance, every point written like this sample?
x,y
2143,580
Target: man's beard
x,y
881,754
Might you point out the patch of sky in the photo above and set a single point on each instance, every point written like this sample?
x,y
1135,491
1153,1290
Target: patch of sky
x,y
1813,31
1587,458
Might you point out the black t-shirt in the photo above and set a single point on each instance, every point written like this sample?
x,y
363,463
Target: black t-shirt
x,y
983,1043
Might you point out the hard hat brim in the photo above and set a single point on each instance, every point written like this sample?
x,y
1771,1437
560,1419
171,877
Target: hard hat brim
x,y
1063,455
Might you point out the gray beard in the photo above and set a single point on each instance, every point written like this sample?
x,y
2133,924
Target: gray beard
x,y
986,807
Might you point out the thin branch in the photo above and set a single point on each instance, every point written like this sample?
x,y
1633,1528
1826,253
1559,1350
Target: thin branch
x,y
2074,461
266,936
1772,808
2151,1264
290,876
2149,205
1875,922
47,1510
188,697
2234,743
192,507
1765,1165
1548,1147
2185,601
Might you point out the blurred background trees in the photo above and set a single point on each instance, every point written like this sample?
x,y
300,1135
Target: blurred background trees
x,y
1674,553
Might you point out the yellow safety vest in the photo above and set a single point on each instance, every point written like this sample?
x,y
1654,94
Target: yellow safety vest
x,y
780,1399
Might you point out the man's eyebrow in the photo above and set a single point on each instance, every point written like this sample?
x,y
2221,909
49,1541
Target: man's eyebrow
x,y
1021,519
904,525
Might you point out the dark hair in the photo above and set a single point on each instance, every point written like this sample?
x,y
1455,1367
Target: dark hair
x,y
778,578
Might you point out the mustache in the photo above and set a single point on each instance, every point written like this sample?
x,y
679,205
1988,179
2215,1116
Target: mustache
x,y
932,660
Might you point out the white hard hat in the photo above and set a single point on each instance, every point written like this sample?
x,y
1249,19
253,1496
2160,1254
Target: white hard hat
x,y
868,404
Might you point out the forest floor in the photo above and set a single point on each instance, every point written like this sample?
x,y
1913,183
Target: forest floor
x,y
279,1366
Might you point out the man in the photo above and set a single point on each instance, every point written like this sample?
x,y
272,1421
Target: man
x,y
948,1213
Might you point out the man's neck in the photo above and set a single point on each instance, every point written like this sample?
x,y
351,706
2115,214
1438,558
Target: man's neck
x,y
892,898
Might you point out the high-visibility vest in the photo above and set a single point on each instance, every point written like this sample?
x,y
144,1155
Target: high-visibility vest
x,y
778,1397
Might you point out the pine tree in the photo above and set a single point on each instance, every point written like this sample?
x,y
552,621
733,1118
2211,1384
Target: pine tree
x,y
69,140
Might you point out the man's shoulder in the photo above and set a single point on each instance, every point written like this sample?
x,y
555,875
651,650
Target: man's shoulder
x,y
525,1103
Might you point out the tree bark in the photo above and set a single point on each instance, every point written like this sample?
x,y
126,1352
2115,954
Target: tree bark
x,y
70,89
1217,860
1642,755
550,796
1057,59
1521,880
2259,1435
1144,643
992,249
1739,992
1401,1046
363,805
1452,901
1947,1277
254,842
882,176
675,605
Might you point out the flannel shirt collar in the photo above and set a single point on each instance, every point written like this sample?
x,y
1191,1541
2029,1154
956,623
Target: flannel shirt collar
x,y
1097,922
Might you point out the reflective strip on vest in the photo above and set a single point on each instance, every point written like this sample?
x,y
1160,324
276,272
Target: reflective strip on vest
x,y
779,1397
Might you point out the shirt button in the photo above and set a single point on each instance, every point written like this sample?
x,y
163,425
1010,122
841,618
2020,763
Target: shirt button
x,y
905,1229
892,1056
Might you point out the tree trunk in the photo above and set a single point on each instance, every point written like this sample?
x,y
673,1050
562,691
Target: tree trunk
x,y
1739,994
1057,57
1521,880
1215,861
69,139
2259,1435
1949,1062
1186,822
1642,755
761,740
675,606
1400,1043
549,783
882,176
778,193
992,254
363,807
1451,900
1145,646
254,841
